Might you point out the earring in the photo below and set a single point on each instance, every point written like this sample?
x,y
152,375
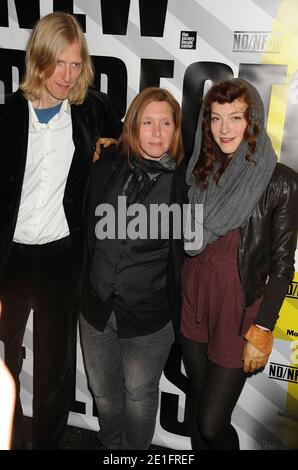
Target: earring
x,y
250,131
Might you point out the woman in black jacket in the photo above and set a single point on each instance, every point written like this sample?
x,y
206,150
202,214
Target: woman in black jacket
x,y
126,326
234,283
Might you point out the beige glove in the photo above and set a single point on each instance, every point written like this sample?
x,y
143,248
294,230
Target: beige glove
x,y
106,142
257,349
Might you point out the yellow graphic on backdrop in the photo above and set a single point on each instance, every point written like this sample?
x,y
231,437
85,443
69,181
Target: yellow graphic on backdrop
x,y
287,326
287,329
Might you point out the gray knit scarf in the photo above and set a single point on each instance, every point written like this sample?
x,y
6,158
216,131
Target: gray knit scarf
x,y
227,204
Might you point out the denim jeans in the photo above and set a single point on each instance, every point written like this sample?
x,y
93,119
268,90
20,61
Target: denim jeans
x,y
123,376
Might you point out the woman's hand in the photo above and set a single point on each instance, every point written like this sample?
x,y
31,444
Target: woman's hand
x,y
253,358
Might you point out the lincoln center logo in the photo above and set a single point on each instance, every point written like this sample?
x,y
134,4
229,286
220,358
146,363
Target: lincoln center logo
x,y
257,41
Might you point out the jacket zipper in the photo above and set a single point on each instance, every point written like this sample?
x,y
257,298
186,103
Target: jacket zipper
x,y
239,262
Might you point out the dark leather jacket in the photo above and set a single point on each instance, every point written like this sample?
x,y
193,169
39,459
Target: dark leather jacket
x,y
268,240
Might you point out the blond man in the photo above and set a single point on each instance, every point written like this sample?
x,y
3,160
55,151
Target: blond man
x,y
47,131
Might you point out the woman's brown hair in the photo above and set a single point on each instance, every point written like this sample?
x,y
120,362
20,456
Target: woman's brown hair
x,y
130,138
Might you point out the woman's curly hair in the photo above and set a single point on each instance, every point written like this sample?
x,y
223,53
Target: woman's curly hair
x,y
223,92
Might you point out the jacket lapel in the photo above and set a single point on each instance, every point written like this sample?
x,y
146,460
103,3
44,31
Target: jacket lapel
x,y
17,135
102,177
82,154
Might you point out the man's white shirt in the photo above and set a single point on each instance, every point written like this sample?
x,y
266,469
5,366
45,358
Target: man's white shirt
x,y
41,218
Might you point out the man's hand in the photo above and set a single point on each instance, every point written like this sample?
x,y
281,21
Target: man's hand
x,y
106,142
257,349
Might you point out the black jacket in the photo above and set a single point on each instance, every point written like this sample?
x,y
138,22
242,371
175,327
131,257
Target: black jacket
x,y
266,253
93,118
102,178
268,240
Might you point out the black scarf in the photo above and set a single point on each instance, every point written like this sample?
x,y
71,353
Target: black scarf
x,y
144,176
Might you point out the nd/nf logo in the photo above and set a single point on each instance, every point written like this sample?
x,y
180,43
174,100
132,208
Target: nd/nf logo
x,y
257,41
292,290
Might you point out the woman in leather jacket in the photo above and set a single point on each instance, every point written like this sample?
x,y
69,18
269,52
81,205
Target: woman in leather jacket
x,y
233,285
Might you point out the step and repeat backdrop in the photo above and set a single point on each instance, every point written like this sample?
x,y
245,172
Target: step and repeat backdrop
x,y
184,46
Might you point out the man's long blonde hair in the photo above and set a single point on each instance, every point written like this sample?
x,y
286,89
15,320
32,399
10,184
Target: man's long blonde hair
x,y
49,38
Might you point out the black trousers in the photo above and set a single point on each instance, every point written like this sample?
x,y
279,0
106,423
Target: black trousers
x,y
41,277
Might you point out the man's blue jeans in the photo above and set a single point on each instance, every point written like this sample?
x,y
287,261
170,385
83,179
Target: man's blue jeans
x,y
123,375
